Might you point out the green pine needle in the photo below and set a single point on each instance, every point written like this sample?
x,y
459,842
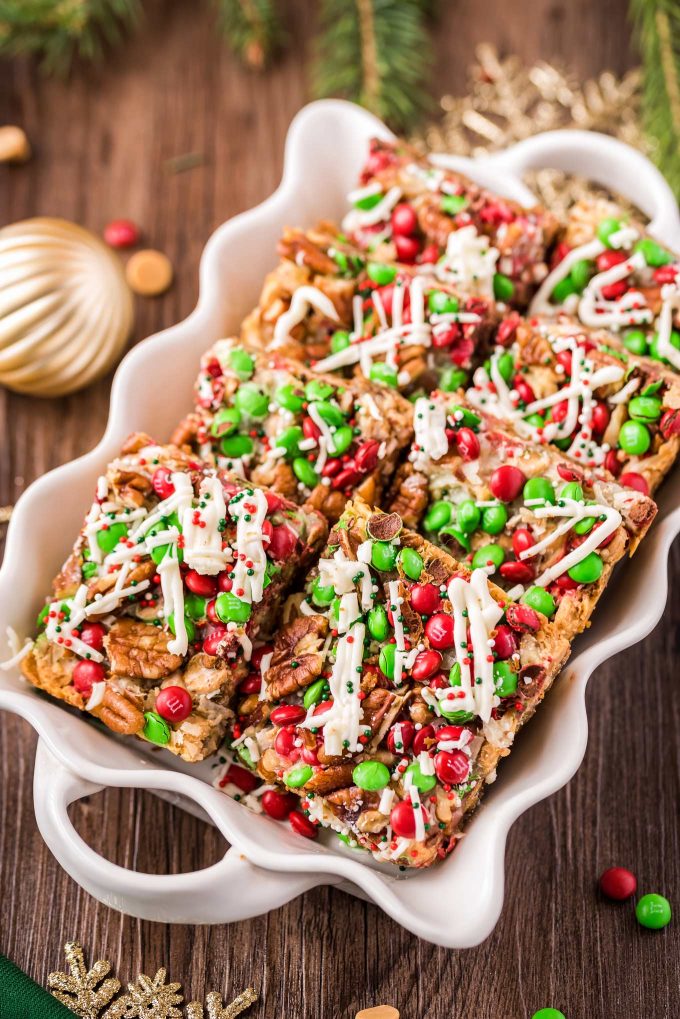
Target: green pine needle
x,y
657,26
59,30
375,52
252,28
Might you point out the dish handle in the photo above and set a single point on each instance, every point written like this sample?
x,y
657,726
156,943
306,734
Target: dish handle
x,y
232,889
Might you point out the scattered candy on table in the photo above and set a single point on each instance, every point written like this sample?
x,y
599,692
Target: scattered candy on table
x,y
149,272
121,233
548,1013
618,883
378,1012
653,911
14,145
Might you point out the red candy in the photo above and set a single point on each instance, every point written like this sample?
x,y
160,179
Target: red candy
x,y
425,599
251,684
439,631
608,259
366,456
429,254
301,825
505,642
612,463
243,779
507,482
288,714
618,883
426,664
283,543
174,703
517,572
450,733
258,654
422,739
274,502
403,819
404,220
214,639
162,485
224,582
631,479
278,805
310,429
284,743
407,248
121,233
211,612
86,674
600,418
522,618
524,390
407,732
467,443
452,766
93,635
522,539
201,585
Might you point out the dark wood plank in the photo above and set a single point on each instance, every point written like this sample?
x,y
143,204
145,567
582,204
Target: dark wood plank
x,y
101,141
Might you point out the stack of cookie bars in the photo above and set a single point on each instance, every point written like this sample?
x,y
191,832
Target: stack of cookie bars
x,y
360,562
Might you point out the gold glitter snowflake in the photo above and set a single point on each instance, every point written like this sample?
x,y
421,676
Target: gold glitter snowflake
x,y
85,992
148,999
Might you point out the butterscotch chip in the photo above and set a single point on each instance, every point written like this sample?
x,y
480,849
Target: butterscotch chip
x,y
378,1012
14,145
149,272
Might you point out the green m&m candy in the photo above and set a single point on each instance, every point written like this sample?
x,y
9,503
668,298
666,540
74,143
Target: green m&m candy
x,y
503,287
315,390
441,303
548,1013
505,363
453,204
369,201
250,400
339,341
290,439
42,616
89,570
458,535
188,626
494,519
298,775
385,373
237,446
438,515
378,623
539,488
194,605
330,413
653,253
572,490
536,420
488,554
580,274
540,600
654,346
634,438
384,555
452,379
386,660
156,729
423,783
225,422
230,609
645,408
322,595
606,228
290,398
468,516
635,341
588,570
466,417
562,290
371,775
505,679
584,525
304,472
381,273
342,440
411,563
241,363
108,539
314,693
653,911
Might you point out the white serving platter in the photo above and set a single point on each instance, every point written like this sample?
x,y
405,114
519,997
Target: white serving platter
x,y
266,864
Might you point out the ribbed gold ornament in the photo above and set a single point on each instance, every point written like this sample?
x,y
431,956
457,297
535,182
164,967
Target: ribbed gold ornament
x,y
65,308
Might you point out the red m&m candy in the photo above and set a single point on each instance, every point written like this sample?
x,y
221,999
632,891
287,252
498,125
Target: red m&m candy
x,y
301,825
93,635
439,631
278,805
424,598
86,674
618,883
121,233
403,819
507,482
174,703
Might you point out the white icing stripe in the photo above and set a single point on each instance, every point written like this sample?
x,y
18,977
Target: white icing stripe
x,y
303,299
203,550
417,813
173,600
356,219
474,607
573,512
670,298
429,423
469,262
339,573
249,552
541,304
594,309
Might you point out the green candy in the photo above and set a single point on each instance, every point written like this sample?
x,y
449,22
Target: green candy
x,y
321,595
156,729
455,715
505,679
606,228
634,438
335,610
108,539
468,516
314,693
562,290
225,422
386,660
42,616
588,570
369,201
236,446
89,570
290,398
251,400
330,413
194,605
371,775
463,416
441,303
317,390
188,626
230,609
645,408
340,341
654,254
455,675
457,534
453,204
540,600
378,623
488,554
494,519
438,515
548,1013
381,372
562,443
654,346
423,783
304,472
298,775
536,420
539,488
241,363
381,273
290,439
572,490
653,911
503,287
580,274
411,562
384,555
635,341
245,755
452,379
342,440
584,525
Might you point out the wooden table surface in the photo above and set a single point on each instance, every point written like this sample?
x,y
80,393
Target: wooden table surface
x,y
100,144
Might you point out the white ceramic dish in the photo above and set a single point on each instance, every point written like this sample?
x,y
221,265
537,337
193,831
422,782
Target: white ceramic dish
x,y
268,865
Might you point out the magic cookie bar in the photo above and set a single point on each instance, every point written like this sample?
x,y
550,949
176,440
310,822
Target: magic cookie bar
x,y
177,569
580,390
329,307
410,211
315,439
609,275
395,688
546,530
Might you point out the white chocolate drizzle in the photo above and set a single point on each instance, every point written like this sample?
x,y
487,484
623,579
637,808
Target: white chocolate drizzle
x,y
303,300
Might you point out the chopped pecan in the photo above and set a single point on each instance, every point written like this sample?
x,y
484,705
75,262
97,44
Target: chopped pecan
x,y
132,487
186,431
296,659
375,707
296,246
140,650
409,496
327,780
350,802
118,713
135,442
143,571
70,575
205,674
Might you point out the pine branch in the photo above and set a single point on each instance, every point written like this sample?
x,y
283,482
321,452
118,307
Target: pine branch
x,y
252,28
657,27
375,52
59,30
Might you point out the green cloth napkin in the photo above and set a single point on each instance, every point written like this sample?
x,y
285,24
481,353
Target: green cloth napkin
x,y
21,998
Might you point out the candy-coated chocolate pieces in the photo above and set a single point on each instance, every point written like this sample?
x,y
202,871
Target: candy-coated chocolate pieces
x,y
618,883
653,911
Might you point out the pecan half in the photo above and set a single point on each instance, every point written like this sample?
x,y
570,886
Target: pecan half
x,y
140,650
296,659
118,713
327,780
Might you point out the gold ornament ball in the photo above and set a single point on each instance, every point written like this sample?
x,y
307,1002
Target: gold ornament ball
x,y
66,310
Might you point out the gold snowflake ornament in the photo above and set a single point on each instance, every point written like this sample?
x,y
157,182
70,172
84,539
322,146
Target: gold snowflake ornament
x,y
85,992
148,999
